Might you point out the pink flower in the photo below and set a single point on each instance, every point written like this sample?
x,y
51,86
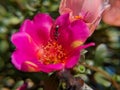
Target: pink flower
x,y
88,10
43,44
111,15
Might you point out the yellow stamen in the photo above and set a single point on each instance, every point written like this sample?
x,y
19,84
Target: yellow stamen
x,y
76,43
78,17
53,53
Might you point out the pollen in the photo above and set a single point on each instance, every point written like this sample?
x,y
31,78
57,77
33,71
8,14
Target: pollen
x,y
76,43
52,53
78,17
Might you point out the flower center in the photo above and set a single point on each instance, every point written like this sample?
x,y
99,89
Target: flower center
x,y
78,17
53,53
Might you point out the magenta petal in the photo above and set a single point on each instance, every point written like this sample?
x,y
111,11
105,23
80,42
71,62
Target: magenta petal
x,y
25,48
51,67
76,31
30,66
29,27
75,55
79,31
23,41
39,28
63,20
19,57
28,63
60,23
73,59
86,45
16,60
43,23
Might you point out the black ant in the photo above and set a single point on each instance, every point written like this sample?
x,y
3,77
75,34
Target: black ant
x,y
56,33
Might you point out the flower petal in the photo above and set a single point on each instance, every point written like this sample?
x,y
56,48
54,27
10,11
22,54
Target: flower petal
x,y
28,63
25,48
92,9
60,23
43,20
28,66
23,41
50,67
89,9
74,35
74,56
73,59
39,28
111,15
67,6
19,57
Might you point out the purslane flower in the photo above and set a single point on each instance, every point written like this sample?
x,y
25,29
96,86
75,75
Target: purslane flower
x,y
111,15
48,45
88,10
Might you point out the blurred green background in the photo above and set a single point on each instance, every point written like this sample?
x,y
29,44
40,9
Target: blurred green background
x,y
105,55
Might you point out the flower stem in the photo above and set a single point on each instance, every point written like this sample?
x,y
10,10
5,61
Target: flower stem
x,y
107,76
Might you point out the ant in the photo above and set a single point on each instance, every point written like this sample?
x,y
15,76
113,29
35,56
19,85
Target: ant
x,y
56,34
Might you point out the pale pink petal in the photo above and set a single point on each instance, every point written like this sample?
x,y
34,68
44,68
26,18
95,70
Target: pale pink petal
x,y
111,15
89,9
67,6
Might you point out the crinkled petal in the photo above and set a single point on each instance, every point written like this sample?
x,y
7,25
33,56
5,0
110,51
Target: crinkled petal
x,y
89,9
39,28
92,9
67,6
74,35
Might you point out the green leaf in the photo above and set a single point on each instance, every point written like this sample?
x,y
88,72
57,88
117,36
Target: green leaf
x,y
101,80
100,54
